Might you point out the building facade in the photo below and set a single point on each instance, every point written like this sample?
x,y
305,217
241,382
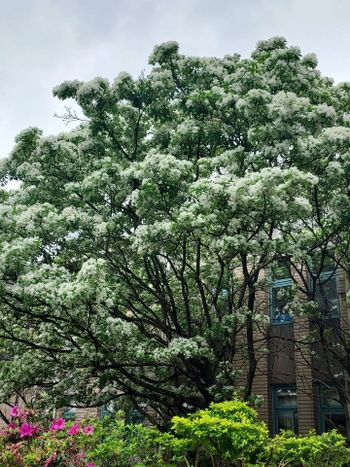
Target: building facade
x,y
296,384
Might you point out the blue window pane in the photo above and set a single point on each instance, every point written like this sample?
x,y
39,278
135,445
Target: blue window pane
x,y
108,409
70,413
280,298
134,416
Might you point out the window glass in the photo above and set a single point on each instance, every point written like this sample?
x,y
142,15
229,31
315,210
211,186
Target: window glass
x,y
286,397
224,300
108,409
280,270
330,398
326,294
281,296
287,421
331,411
324,272
335,421
327,264
134,416
69,413
285,408
280,292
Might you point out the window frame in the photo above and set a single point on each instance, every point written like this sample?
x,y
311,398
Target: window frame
x,y
69,413
274,284
325,276
107,409
323,410
288,410
135,417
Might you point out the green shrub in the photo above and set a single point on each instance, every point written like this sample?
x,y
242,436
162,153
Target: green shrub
x,y
126,445
226,434
328,449
227,431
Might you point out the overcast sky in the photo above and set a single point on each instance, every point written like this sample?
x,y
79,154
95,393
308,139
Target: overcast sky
x,y
44,42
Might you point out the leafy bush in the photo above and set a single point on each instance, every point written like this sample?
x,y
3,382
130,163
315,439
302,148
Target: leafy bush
x,y
328,449
227,430
226,434
126,445
31,440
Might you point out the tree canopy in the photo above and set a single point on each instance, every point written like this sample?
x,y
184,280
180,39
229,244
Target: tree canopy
x,y
132,252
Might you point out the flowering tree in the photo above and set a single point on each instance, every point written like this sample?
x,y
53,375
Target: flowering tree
x,y
133,250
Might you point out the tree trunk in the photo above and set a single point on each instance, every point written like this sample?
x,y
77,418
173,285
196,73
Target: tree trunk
x,y
250,344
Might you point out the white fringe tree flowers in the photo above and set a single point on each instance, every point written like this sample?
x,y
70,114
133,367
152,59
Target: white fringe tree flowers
x,y
132,253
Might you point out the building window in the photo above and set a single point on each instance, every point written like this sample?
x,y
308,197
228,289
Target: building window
x,y
70,413
331,411
280,295
223,301
108,409
285,408
326,294
134,416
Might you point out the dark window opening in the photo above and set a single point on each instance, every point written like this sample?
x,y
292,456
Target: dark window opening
x,y
285,408
134,416
326,294
332,416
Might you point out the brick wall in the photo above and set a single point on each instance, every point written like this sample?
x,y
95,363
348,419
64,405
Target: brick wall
x,y
303,367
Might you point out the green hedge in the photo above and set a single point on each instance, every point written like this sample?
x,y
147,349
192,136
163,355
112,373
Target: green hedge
x,y
225,434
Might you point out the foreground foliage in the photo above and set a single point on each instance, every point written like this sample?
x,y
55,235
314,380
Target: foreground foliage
x,y
309,451
226,434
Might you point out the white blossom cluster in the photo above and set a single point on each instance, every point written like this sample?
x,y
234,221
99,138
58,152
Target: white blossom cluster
x,y
130,251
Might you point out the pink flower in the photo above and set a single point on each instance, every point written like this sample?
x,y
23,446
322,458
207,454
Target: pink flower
x,y
12,425
27,430
88,430
73,430
57,424
90,465
14,411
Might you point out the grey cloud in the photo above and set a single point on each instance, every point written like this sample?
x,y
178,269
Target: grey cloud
x,y
43,42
